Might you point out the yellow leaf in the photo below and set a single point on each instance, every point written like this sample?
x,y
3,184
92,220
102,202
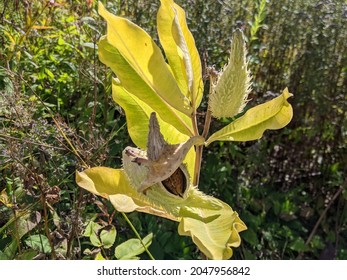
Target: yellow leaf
x,y
274,114
145,57
138,113
216,237
42,27
113,184
134,84
212,224
180,50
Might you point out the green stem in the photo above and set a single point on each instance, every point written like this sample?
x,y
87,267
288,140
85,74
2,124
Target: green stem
x,y
199,150
137,235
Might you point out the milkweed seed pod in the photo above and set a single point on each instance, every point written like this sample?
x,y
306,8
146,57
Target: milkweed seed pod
x,y
229,95
162,163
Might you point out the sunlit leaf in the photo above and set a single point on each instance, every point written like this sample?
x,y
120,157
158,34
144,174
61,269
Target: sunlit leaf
x,y
148,63
180,50
4,199
99,257
40,27
114,185
212,224
274,114
138,113
215,231
131,82
130,249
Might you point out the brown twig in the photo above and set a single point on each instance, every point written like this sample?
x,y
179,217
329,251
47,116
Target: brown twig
x,y
313,232
45,215
74,224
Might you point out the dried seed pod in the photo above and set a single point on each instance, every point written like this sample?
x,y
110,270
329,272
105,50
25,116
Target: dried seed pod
x,y
161,164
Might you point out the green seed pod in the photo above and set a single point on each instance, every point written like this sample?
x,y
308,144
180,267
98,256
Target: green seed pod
x,y
229,95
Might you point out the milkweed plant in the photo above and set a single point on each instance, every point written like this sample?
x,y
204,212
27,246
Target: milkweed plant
x,y
160,97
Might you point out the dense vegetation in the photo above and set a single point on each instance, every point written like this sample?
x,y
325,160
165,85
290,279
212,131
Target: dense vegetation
x,y
57,115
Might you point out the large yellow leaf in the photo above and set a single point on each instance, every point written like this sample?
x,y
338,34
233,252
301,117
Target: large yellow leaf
x,y
212,224
216,236
134,84
180,50
113,185
274,114
137,113
145,57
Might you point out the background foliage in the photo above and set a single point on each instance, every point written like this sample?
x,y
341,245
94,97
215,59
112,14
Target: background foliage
x,y
57,113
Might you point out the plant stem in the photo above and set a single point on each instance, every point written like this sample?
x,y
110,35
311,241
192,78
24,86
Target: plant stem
x,y
199,150
137,235
74,223
208,118
45,216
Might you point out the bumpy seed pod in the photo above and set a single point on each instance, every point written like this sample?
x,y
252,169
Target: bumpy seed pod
x,y
229,96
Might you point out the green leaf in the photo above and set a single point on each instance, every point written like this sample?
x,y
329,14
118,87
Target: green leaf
x,y
131,82
108,236
248,255
91,228
130,249
274,114
39,242
49,73
95,240
92,231
298,245
11,250
61,41
145,58
3,256
180,50
27,255
251,237
26,223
